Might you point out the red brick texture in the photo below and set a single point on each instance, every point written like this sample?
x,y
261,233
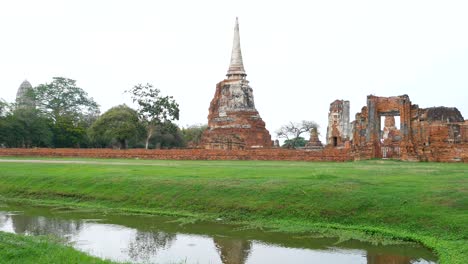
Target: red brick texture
x,y
328,154
239,129
431,134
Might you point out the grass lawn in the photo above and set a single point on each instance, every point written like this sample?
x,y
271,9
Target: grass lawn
x,y
372,200
40,250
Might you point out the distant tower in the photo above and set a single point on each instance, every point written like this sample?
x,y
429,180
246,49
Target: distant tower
x,y
233,121
339,127
24,97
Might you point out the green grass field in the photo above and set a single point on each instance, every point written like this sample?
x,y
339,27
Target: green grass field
x,y
38,250
369,200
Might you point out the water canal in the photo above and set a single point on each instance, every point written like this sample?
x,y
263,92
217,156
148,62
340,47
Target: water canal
x,y
156,239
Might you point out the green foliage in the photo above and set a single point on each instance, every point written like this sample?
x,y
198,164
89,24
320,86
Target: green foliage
x,y
120,124
3,107
167,136
39,250
25,127
293,131
68,134
69,109
62,98
423,202
300,142
193,134
153,109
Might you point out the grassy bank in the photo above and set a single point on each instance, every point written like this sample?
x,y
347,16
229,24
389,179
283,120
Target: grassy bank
x,y
40,250
377,200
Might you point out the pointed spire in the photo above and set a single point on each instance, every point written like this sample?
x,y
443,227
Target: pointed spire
x,y
236,67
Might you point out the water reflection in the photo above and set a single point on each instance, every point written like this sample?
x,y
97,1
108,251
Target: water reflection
x,y
158,239
43,226
232,251
145,245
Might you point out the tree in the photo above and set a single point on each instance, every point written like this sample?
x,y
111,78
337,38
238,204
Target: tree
x,y
168,136
193,134
153,109
25,128
119,124
69,108
62,98
3,112
3,107
293,131
67,133
300,142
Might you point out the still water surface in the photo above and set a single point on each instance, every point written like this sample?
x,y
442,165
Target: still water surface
x,y
156,239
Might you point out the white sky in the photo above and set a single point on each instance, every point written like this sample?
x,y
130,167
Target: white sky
x,y
299,55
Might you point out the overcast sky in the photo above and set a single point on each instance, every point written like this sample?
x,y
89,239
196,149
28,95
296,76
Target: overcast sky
x,y
299,55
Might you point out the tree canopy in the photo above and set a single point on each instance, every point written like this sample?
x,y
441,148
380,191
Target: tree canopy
x,y
25,128
153,109
193,134
120,125
168,136
294,130
300,142
62,98
3,107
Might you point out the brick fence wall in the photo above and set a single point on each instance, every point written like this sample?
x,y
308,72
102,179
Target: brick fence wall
x,y
328,154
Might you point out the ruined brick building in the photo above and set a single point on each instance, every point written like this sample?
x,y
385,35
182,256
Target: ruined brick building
x,y
424,134
339,127
233,121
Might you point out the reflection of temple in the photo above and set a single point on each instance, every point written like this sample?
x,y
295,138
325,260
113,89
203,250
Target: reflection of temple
x,y
232,251
387,259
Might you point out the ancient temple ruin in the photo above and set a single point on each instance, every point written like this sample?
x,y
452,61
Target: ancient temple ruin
x,y
314,142
393,127
339,127
424,134
24,96
233,120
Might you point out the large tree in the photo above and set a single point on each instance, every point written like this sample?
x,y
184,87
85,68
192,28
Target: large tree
x,y
70,109
153,109
68,133
168,136
25,128
119,124
62,98
292,131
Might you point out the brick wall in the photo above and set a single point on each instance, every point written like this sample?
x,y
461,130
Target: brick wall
x,y
327,154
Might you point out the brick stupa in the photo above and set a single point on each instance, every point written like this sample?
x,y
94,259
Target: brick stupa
x,y
233,121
